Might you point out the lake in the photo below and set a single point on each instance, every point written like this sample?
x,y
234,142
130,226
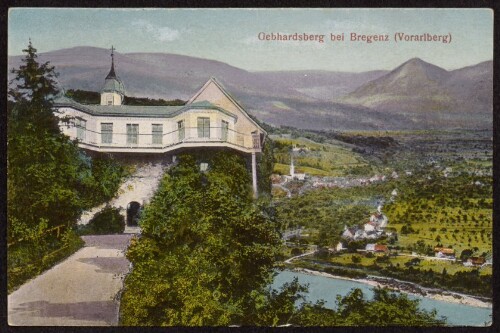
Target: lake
x,y
327,289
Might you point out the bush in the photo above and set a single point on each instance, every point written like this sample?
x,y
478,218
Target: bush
x,y
28,259
356,259
107,221
296,251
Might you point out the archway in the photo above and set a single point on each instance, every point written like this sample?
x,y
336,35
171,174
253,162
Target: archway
x,y
133,213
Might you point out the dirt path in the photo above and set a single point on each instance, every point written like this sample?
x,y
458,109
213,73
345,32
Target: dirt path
x,y
80,291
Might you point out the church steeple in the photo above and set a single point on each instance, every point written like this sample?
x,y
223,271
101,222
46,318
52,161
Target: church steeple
x,y
111,74
113,91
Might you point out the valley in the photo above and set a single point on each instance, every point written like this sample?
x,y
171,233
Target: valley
x,y
434,187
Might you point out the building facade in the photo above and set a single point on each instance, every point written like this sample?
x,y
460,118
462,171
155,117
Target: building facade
x,y
212,118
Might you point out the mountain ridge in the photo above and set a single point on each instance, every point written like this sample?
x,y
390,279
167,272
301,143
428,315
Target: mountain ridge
x,y
414,95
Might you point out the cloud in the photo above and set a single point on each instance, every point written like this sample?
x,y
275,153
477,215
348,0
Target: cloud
x,y
163,34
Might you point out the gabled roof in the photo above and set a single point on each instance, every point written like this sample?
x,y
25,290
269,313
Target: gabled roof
x,y
228,95
381,248
444,250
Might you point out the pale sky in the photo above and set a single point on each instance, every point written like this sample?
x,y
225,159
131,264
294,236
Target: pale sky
x,y
231,35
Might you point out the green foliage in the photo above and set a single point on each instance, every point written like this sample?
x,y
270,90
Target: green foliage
x,y
386,309
43,165
356,259
92,97
152,102
265,168
32,90
30,257
205,246
49,180
466,254
107,221
282,307
99,180
207,253
83,96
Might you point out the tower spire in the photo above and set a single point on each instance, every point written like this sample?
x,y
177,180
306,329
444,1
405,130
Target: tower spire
x,y
111,74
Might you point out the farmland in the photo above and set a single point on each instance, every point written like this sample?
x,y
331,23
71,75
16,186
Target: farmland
x,y
328,159
443,181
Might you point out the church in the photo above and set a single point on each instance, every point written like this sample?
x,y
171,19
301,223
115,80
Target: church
x,y
211,118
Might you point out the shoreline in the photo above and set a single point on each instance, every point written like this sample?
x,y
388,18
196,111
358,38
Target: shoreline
x,y
441,295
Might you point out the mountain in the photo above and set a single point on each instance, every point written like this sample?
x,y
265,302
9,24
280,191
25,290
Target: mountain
x,y
305,99
426,93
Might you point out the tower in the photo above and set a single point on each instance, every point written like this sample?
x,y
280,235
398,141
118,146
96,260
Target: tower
x,y
113,91
292,167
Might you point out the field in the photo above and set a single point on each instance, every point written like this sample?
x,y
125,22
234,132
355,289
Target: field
x,y
332,159
443,181
435,265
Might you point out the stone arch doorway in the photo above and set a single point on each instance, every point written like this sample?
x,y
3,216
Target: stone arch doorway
x,y
133,213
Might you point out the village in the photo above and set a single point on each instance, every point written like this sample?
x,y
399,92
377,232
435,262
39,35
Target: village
x,y
373,237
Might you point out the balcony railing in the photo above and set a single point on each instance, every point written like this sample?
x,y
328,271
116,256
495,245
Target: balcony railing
x,y
158,141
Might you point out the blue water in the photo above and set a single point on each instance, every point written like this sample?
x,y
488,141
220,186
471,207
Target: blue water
x,y
327,289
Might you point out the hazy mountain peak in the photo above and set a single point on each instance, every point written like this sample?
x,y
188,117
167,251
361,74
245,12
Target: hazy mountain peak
x,y
416,94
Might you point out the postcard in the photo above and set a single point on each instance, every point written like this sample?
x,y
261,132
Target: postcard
x,y
283,167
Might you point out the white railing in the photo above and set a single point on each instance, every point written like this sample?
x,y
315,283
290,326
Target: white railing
x,y
158,141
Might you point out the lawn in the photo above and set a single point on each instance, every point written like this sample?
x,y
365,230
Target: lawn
x,y
435,265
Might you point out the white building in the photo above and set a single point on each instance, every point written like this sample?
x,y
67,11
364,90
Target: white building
x,y
370,226
210,119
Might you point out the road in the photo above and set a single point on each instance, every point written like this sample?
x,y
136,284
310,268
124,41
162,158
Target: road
x,y
83,290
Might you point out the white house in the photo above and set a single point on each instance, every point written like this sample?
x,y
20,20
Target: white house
x,y
370,226
210,119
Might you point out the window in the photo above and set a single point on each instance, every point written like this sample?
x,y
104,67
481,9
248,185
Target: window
x,y
107,132
203,127
181,130
224,130
157,134
81,126
132,134
109,99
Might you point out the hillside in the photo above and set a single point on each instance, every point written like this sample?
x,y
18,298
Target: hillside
x,y
426,92
416,95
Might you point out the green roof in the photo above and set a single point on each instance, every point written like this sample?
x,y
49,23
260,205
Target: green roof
x,y
136,110
113,85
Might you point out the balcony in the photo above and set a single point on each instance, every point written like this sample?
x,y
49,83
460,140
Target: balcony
x,y
164,142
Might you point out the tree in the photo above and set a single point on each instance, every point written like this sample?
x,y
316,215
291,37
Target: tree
x,y
206,248
32,90
49,180
43,166
386,309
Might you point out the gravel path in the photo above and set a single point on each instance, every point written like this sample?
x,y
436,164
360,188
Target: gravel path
x,y
80,291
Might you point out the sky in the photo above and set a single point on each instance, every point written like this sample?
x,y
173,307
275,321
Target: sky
x,y
232,35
